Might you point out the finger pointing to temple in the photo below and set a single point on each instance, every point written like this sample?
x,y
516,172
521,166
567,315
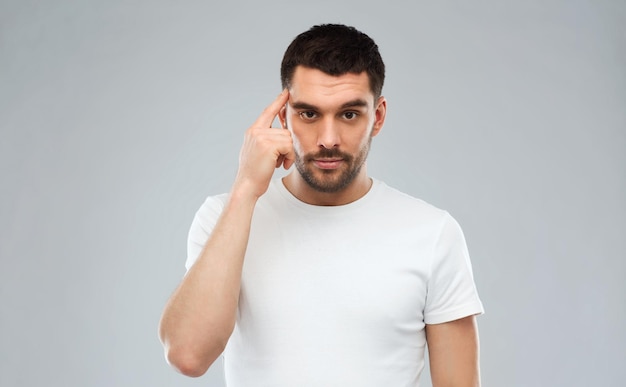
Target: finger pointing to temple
x,y
267,117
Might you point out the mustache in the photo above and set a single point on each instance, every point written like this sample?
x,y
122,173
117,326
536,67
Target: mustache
x,y
329,154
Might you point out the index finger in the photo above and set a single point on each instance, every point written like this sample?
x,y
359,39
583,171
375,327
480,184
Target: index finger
x,y
271,111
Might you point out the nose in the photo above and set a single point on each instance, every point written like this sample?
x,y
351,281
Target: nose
x,y
328,135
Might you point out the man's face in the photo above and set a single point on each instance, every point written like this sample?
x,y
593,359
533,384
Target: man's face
x,y
332,120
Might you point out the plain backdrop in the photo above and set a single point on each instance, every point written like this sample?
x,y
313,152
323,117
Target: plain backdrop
x,y
118,118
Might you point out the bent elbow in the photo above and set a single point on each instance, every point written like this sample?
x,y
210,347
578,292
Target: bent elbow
x,y
188,363
191,355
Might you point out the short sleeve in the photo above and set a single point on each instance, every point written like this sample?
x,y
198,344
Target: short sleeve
x,y
203,223
451,290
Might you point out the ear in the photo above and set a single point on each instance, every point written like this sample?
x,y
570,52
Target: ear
x,y
379,115
282,117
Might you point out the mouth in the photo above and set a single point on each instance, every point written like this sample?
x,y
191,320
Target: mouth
x,y
327,163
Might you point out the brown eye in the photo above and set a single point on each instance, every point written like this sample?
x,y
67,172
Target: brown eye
x,y
350,115
308,115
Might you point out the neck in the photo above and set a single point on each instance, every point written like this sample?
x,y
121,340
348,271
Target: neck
x,y
299,188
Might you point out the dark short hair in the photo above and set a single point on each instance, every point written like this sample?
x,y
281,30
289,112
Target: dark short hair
x,y
335,49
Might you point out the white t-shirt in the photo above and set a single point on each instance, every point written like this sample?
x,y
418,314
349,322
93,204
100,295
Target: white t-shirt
x,y
340,295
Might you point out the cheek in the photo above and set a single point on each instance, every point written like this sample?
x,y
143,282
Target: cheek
x,y
299,133
362,137
295,138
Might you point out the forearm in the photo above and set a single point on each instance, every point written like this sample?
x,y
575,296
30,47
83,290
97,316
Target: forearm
x,y
200,315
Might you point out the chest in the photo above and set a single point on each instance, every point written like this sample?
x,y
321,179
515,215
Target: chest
x,y
336,272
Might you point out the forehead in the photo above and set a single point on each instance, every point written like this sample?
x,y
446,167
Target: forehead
x,y
318,88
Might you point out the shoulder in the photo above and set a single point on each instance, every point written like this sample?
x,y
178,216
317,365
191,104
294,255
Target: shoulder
x,y
211,208
202,226
215,201
406,206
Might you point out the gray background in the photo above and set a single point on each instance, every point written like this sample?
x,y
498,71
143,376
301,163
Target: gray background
x,y
117,118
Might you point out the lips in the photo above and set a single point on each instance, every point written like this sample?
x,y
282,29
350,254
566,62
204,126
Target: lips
x,y
327,163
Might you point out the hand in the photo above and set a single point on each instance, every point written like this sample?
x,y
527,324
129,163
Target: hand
x,y
264,149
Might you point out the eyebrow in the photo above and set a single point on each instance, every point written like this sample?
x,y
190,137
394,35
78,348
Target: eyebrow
x,y
306,106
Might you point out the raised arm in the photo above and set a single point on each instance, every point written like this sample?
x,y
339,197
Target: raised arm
x,y
200,315
453,350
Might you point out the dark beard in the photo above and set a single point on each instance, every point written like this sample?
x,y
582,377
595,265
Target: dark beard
x,y
346,176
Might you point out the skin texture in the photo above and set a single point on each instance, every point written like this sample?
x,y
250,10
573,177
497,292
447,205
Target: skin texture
x,y
328,123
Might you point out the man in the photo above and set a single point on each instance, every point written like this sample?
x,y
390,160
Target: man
x,y
326,277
